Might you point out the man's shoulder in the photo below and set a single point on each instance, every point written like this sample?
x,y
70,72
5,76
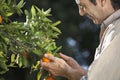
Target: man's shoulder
x,y
117,26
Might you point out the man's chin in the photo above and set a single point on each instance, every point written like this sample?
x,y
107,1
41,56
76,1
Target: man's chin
x,y
96,22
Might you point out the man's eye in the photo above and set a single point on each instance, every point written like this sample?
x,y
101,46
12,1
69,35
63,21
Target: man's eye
x,y
83,7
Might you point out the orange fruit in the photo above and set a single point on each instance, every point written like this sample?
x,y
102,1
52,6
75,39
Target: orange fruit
x,y
50,78
44,59
0,19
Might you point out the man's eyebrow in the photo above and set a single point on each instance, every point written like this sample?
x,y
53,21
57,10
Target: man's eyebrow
x,y
79,2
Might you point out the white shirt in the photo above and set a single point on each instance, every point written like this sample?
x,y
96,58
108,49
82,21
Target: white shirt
x,y
107,37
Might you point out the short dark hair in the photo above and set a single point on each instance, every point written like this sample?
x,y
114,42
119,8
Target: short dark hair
x,y
115,3
93,1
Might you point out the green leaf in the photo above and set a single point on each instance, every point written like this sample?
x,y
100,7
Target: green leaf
x,y
27,14
32,29
56,29
13,58
9,2
6,39
25,62
39,74
1,26
47,12
3,71
3,59
38,52
9,14
3,1
33,11
56,23
21,4
51,46
20,64
3,66
46,20
1,53
39,11
58,49
37,65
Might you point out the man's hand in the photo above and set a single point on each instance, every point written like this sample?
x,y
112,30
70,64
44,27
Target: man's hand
x,y
64,66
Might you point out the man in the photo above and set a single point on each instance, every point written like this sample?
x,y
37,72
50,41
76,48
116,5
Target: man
x,y
106,63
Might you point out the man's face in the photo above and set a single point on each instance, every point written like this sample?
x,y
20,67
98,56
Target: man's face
x,y
94,12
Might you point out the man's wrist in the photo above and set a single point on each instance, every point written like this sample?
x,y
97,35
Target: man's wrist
x,y
75,75
85,77
78,74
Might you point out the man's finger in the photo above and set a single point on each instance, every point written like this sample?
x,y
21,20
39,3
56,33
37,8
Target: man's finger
x,y
52,58
65,57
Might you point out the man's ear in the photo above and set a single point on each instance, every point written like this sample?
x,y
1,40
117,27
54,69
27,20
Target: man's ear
x,y
103,3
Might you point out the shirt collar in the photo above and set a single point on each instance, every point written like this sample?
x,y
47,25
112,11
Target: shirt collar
x,y
112,18
108,21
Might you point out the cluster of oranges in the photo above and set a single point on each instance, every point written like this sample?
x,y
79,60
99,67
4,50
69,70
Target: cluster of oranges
x,y
44,59
0,19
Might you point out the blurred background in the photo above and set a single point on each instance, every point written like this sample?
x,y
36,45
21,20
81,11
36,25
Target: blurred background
x,y
79,38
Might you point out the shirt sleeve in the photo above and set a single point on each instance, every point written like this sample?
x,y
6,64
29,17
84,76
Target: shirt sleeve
x,y
84,77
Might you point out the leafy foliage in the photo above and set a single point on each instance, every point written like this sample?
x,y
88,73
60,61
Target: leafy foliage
x,y
22,44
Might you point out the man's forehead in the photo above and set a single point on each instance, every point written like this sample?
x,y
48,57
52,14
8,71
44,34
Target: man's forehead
x,y
77,1
80,1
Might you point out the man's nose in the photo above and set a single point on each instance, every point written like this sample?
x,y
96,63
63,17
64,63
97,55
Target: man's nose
x,y
81,11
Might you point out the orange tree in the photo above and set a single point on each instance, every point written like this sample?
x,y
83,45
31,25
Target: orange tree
x,y
22,44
